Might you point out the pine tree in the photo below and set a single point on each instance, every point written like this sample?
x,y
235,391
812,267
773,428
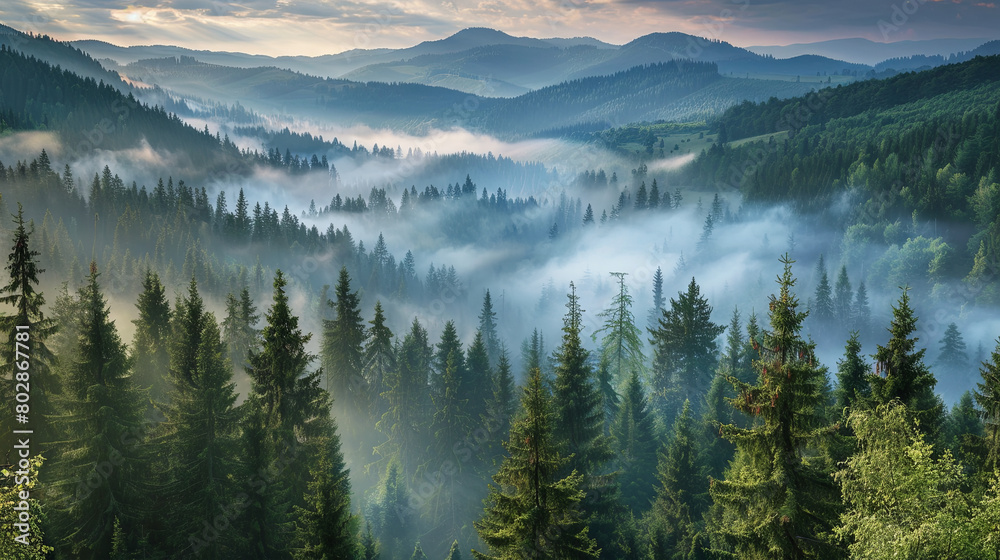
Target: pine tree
x,y
394,517
288,424
685,353
325,527
657,311
531,512
238,328
987,395
579,426
953,361
900,373
407,401
843,299
342,346
634,434
453,553
776,500
24,341
852,376
150,346
478,383
500,407
104,424
488,326
370,548
681,486
621,345
822,308
379,361
202,423
861,312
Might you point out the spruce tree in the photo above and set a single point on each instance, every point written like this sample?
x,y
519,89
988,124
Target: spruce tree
x,y
325,527
488,326
379,361
657,310
822,308
151,343
479,375
418,553
681,485
621,345
953,360
202,427
635,445
777,499
852,376
900,373
104,427
500,407
407,401
861,312
532,511
843,296
987,395
685,353
579,426
25,342
342,350
238,328
453,553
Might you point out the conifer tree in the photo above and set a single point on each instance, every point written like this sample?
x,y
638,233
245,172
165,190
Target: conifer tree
x,y
987,395
418,553
325,527
900,373
371,549
488,326
238,328
407,401
861,312
953,361
852,375
635,444
657,310
776,500
342,352
621,345
843,296
685,353
104,425
532,512
394,516
202,423
500,407
25,339
822,311
453,553
479,375
679,500
379,360
150,346
579,426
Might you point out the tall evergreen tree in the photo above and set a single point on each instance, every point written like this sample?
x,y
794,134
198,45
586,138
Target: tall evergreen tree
x,y
843,296
685,353
953,361
822,305
621,345
150,346
342,351
852,375
500,407
681,485
861,312
407,401
202,423
379,361
25,335
239,328
777,500
478,374
104,425
900,373
532,512
635,445
579,426
987,395
325,527
488,326
657,310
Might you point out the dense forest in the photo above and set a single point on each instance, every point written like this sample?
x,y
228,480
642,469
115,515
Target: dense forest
x,y
214,365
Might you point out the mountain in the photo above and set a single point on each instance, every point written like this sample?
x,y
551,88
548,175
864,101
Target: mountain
x,y
59,54
865,51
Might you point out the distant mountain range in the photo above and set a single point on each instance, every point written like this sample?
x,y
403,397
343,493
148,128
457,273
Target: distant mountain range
x,y
864,51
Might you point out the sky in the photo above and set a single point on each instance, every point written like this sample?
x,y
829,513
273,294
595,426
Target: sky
x,y
316,27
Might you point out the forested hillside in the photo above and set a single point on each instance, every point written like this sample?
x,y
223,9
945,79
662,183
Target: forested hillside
x,y
917,149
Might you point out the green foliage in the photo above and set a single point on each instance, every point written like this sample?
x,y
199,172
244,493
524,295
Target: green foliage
x,y
343,338
685,353
777,498
987,395
852,376
900,373
11,485
635,445
325,527
902,501
532,511
621,345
